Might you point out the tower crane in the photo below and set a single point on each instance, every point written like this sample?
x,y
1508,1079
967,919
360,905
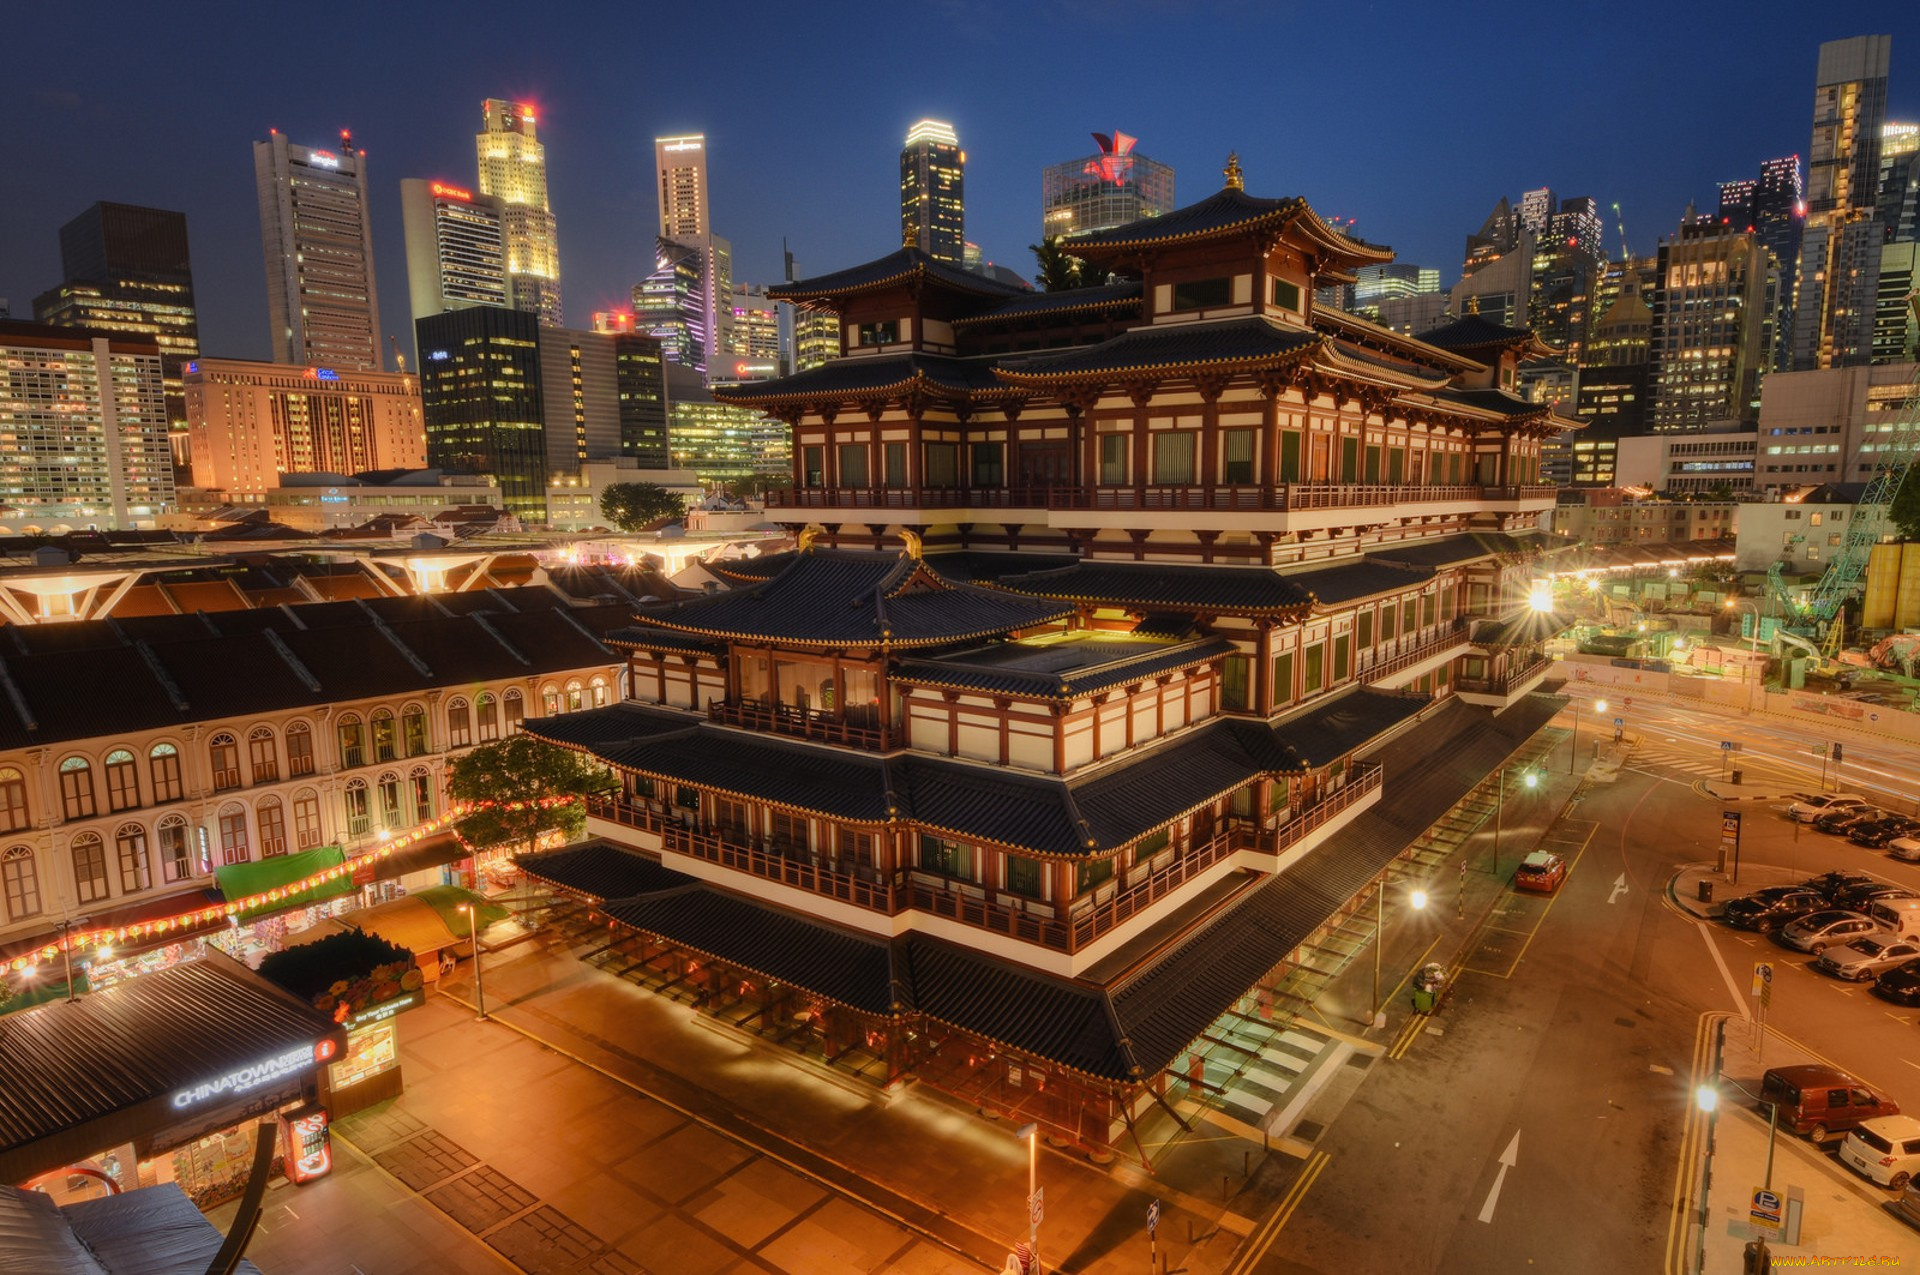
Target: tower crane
x,y
399,359
1626,253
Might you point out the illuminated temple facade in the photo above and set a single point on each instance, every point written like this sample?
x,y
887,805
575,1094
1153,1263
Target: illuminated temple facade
x,y
1133,633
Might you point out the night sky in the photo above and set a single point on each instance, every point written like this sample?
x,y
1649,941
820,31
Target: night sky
x,y
1410,122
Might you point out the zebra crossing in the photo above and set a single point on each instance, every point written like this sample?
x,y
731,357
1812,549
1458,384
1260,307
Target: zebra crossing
x,y
1272,1073
1673,763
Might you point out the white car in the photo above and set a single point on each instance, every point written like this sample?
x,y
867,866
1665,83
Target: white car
x,y
1907,848
1830,927
1807,809
1886,1149
1867,957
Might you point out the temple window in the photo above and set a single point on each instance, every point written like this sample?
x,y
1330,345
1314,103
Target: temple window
x,y
1286,295
948,858
896,464
885,332
989,464
1026,877
1173,457
1092,874
852,462
1236,456
813,466
1113,458
1202,294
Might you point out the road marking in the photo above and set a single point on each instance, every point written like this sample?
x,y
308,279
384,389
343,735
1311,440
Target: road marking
x,y
1508,1158
1739,998
1619,888
1656,1067
1268,1231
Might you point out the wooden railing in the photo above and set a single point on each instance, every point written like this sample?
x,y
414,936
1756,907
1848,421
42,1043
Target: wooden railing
x,y
802,723
1505,684
1363,777
803,872
1389,658
1248,498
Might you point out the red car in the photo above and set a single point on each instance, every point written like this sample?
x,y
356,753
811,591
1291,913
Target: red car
x,y
1540,872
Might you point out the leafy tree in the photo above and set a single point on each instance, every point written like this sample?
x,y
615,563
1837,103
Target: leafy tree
x,y
1057,273
633,506
507,782
1904,510
1088,275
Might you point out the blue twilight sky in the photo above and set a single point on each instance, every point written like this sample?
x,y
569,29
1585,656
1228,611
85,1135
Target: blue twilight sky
x,y
1412,118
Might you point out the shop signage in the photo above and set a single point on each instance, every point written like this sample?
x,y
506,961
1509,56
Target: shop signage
x,y
323,159
254,1075
386,1009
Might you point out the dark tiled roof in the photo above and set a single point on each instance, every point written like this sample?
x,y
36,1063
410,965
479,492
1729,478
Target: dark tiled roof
x,y
1157,587
1498,401
984,568
1228,211
1220,344
1054,1018
1357,578
860,376
651,638
602,871
1046,304
1079,670
1474,332
1335,726
621,723
1408,373
764,567
837,597
828,781
1449,551
893,270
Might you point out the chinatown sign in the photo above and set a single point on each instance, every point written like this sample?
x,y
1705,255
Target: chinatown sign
x,y
255,1075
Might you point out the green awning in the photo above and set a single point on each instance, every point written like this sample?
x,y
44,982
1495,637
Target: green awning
x,y
244,880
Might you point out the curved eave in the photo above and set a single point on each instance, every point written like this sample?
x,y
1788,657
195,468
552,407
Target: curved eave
x,y
1039,314
919,382
1412,379
1297,610
1478,415
660,648
802,293
1292,214
1190,367
1362,331
885,640
1062,693
717,958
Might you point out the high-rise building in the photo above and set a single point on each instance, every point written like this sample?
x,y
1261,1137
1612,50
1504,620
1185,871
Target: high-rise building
x,y
127,269
83,430
1779,215
1897,204
1103,190
1536,209
317,232
933,215
1840,246
1736,202
755,350
250,423
722,442
1895,337
681,164
640,382
513,169
1708,321
671,303
688,299
1374,285
456,248
1498,235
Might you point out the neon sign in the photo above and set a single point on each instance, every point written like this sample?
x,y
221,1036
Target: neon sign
x,y
193,367
386,1009
322,374
253,1075
1115,162
438,356
324,159
451,192
684,146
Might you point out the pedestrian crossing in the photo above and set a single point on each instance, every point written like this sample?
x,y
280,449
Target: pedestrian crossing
x,y
1673,763
1262,1075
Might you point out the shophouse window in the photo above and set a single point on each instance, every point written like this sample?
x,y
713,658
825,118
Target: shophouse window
x,y
20,882
516,706
130,847
487,711
576,698
89,868
76,788
1202,294
123,780
459,724
306,819
13,800
391,816
1113,458
358,807
262,756
597,692
948,858
299,750
549,700
1025,877
421,782
273,827
176,849
353,742
386,736
1173,457
223,753
413,730
233,834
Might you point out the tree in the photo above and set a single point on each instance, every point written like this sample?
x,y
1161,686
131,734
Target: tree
x,y
634,506
1056,267
523,787
1904,510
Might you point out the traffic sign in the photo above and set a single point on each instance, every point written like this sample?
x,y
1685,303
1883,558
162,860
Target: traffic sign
x,y
1619,721
1037,1206
1153,1218
1765,1209
1726,745
1763,983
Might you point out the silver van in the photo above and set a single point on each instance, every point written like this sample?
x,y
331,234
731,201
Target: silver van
x,y
1902,916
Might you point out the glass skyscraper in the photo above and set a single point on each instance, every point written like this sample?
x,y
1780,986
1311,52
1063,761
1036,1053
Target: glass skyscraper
x,y
933,214
513,169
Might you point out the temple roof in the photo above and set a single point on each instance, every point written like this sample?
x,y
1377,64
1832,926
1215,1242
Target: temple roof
x,y
1059,670
1358,578
1151,586
1229,211
1032,305
1366,332
903,266
840,597
1222,345
875,375
1500,402
1473,332
1472,546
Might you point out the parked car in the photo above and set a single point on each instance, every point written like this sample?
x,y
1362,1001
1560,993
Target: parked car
x,y
1830,883
1905,848
1907,1207
1540,872
1886,1150
1866,957
1862,897
1769,909
1836,823
1818,1101
1806,811
1901,984
1875,833
1829,927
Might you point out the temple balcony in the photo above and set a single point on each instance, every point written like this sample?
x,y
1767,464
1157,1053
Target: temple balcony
x,y
871,733
1401,661
1502,689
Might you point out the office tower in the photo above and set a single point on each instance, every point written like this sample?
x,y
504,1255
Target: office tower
x,y
1614,381
1779,213
1109,188
1736,203
688,299
1536,208
456,248
755,349
681,164
1894,334
126,269
1708,318
1579,226
84,443
1374,285
1840,246
933,215
671,303
513,169
1897,204
1499,235
318,237
251,422
640,382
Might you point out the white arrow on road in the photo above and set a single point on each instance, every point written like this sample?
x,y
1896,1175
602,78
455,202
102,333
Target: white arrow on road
x,y
1508,1158
1619,888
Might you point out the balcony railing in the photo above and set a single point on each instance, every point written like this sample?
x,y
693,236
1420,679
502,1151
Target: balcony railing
x,y
862,888
1507,682
1279,497
802,723
1390,657
1363,777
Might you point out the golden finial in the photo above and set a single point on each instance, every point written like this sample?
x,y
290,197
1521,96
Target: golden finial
x,y
1232,171
807,535
913,543
909,236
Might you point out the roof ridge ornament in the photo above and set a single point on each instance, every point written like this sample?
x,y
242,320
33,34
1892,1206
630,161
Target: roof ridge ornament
x,y
806,539
912,542
1232,172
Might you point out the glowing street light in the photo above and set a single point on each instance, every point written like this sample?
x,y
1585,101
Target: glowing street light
x,y
1573,744
472,913
1418,900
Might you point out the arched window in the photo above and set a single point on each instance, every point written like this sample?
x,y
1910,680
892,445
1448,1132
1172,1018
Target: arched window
x,y
353,741
130,847
13,800
390,813
163,764
233,834
515,705
176,848
306,819
89,868
386,736
459,724
76,788
272,818
487,711
262,755
123,780
299,749
576,698
358,807
20,882
413,730
549,700
224,753
420,788
599,689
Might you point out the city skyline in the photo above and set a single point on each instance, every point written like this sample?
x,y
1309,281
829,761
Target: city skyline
x,y
826,179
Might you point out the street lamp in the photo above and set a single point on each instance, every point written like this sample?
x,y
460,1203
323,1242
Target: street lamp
x,y
1418,899
1031,1132
472,914
1531,781
1573,744
1707,1098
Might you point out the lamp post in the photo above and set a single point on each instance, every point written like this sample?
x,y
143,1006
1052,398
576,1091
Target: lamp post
x,y
1707,1098
1419,901
472,914
1031,1132
1531,781
1573,744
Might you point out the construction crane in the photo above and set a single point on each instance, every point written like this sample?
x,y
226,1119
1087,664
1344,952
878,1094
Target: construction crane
x,y
399,359
1626,253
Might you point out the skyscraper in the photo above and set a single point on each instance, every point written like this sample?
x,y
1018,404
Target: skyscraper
x,y
127,269
1897,203
513,169
1708,320
318,239
1107,189
1778,217
688,299
1536,207
681,163
1840,247
933,214
252,422
456,248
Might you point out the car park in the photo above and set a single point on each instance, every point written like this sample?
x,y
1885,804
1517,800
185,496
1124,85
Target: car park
x,y
1901,984
1837,823
1829,927
1866,957
1905,848
1807,810
1818,1101
1875,833
1886,1149
1540,873
1827,884
1862,897
1897,914
1768,909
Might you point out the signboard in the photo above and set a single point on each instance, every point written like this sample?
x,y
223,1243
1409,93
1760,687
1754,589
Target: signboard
x,y
1765,1209
1726,745
1763,982
387,1009
1730,830
1153,1218
1037,1206
255,1075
